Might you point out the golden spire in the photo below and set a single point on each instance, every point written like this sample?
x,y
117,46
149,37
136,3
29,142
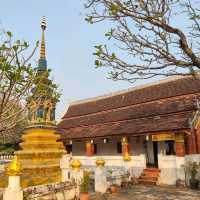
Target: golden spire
x,y
42,64
42,49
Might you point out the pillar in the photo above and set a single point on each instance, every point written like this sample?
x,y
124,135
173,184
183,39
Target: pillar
x,y
77,173
100,177
13,191
198,140
125,149
191,143
65,168
89,148
180,153
179,145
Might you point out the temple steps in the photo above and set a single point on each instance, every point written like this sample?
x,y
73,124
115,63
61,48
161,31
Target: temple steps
x,y
149,176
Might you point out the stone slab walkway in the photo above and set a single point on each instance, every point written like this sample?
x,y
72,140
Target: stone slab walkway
x,y
140,192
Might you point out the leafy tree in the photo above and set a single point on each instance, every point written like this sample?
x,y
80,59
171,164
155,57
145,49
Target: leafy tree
x,y
18,82
152,37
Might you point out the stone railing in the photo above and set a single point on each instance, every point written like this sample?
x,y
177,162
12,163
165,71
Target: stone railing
x,y
6,156
110,160
57,191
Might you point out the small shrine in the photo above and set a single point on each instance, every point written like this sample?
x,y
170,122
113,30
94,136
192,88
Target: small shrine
x,y
41,152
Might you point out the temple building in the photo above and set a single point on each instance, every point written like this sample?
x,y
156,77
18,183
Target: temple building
x,y
149,129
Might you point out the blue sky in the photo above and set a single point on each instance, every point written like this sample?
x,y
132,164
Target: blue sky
x,y
70,41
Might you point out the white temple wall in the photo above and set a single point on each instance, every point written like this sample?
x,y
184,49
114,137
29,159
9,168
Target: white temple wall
x,y
138,159
108,151
167,165
171,166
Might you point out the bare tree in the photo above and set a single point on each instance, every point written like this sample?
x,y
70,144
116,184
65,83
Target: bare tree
x,y
151,37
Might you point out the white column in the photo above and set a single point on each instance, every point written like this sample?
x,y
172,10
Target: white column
x,y
13,191
180,168
77,175
100,179
65,168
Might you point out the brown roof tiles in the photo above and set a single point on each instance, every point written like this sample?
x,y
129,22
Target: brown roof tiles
x,y
134,111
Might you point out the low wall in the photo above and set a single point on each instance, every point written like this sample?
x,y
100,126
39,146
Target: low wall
x,y
58,191
135,166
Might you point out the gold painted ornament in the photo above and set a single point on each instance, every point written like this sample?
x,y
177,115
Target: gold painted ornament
x,y
127,157
14,168
76,164
100,162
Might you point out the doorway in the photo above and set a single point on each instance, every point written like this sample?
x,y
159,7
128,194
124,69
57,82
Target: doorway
x,y
151,153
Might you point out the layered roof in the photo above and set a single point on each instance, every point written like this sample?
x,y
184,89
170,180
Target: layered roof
x,y
162,106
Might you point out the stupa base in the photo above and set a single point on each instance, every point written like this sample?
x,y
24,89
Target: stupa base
x,y
40,176
40,157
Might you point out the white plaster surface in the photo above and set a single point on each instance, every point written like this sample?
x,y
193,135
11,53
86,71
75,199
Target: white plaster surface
x,y
65,167
13,191
180,161
172,167
167,165
136,165
100,180
77,175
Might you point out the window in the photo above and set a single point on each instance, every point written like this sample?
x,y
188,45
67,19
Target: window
x,y
169,147
68,148
119,147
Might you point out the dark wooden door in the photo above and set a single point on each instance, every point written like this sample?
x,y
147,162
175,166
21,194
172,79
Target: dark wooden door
x,y
155,153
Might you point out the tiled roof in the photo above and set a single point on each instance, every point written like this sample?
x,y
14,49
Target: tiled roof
x,y
161,106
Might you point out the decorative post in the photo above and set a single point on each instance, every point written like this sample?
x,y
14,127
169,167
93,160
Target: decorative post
x,y
89,148
198,136
77,174
191,143
65,168
13,191
125,149
179,145
100,177
180,153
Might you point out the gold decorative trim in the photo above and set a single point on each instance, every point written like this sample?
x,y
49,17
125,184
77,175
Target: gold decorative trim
x,y
100,162
76,164
163,137
127,157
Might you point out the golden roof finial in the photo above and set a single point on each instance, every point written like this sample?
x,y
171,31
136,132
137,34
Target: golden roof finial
x,y
42,49
14,167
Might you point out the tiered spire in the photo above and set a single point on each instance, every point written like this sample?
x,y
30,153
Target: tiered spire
x,y
42,64
42,106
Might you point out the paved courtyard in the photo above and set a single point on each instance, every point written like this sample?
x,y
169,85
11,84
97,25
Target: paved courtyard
x,y
140,192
